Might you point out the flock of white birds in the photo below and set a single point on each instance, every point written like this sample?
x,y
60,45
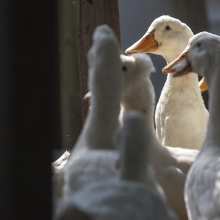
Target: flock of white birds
x,y
121,168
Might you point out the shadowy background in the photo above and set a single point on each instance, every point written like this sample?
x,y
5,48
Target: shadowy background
x,y
41,109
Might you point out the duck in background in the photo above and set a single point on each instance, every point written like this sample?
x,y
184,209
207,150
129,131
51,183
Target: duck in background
x,y
181,116
170,164
135,194
138,93
202,189
93,157
60,162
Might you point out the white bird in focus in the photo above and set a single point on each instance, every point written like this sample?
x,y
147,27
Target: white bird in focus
x,y
202,189
181,116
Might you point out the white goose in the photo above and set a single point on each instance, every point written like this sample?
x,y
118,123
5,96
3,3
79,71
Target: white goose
x,y
181,116
135,195
171,164
93,157
202,189
138,92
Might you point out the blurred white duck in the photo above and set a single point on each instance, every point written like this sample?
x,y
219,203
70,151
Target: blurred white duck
x,y
171,164
136,194
202,189
181,116
93,157
138,92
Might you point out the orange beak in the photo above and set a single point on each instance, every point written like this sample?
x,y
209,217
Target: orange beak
x,y
182,66
146,44
202,85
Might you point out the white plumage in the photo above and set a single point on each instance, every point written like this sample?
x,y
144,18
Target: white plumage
x,y
202,189
171,164
138,92
87,164
181,116
93,157
136,194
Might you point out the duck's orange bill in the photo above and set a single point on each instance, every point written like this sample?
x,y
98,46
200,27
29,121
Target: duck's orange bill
x,y
202,85
146,44
180,66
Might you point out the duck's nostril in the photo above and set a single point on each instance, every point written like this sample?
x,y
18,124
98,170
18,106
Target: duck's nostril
x,y
124,68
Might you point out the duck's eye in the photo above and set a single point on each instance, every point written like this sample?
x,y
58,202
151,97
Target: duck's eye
x,y
124,68
167,28
198,45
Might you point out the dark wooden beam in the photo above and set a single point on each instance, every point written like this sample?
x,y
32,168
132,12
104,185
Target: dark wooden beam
x,y
30,124
71,114
7,100
90,14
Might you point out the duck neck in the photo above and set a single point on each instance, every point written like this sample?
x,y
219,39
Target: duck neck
x,y
171,57
188,81
99,127
135,157
213,137
137,99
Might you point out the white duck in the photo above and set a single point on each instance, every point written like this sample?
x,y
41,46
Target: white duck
x,y
135,195
171,164
93,157
181,116
202,189
138,92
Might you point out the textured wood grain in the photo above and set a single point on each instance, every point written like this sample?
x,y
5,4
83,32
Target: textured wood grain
x,y
90,14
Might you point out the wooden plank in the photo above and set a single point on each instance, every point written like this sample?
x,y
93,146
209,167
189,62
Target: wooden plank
x,y
71,114
90,14
7,100
30,109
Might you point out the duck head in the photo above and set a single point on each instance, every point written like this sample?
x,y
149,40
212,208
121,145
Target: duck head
x,y
166,36
193,58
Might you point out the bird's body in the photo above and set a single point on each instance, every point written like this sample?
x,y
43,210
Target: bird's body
x,y
202,192
122,200
93,156
135,194
171,164
202,189
138,93
180,106
181,117
89,165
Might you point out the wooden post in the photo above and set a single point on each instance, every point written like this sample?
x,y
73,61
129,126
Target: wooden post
x,y
7,102
29,107
90,14
71,114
